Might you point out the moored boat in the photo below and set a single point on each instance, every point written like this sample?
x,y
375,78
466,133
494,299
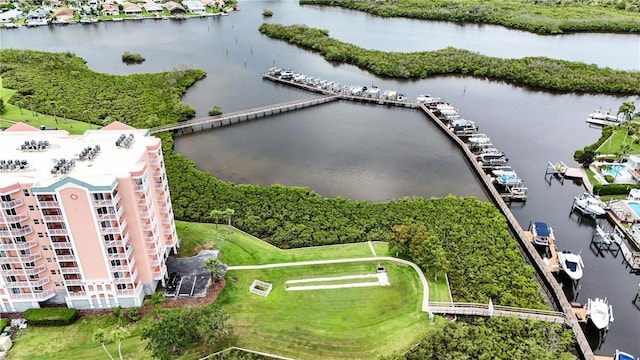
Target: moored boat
x,y
571,264
589,204
620,355
542,233
502,170
600,313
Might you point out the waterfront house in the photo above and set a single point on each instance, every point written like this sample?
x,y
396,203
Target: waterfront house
x,y
37,14
132,9
110,10
63,13
152,8
13,14
174,8
219,4
195,7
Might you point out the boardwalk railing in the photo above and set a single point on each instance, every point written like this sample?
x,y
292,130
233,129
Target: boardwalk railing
x,y
473,309
239,116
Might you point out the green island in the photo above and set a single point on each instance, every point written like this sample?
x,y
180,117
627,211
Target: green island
x,y
537,16
537,72
374,322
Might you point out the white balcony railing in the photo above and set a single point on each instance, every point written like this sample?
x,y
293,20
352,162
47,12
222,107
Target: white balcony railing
x,y
25,271
48,204
12,204
29,284
61,245
21,259
12,219
52,218
58,232
73,282
19,245
67,257
23,231
70,270
38,295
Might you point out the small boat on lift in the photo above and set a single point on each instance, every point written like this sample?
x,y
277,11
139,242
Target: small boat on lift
x,y
571,264
541,234
503,170
620,355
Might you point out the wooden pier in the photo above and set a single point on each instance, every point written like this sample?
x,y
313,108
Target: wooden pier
x,y
487,310
211,122
551,262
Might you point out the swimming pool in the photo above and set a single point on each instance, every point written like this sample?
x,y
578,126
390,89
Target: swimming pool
x,y
634,206
613,169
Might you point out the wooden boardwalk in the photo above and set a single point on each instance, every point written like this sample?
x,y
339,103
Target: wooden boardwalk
x,y
211,122
473,309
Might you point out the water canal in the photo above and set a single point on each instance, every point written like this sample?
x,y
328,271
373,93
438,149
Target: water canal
x,y
375,153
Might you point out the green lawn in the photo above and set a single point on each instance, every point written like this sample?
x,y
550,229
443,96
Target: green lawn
x,y
616,140
239,248
75,341
355,323
381,248
14,114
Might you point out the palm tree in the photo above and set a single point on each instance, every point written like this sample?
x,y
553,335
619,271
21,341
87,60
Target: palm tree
x,y
216,215
19,105
627,108
229,213
118,334
53,106
101,337
212,264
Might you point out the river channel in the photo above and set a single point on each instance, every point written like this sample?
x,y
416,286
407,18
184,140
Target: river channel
x,y
371,152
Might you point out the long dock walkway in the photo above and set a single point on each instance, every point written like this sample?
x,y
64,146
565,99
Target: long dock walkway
x,y
487,310
549,285
211,122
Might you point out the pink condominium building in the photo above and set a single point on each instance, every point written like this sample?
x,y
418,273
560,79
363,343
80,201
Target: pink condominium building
x,y
85,220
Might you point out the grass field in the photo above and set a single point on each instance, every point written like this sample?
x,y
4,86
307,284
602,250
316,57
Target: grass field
x,y
354,323
13,114
616,140
351,323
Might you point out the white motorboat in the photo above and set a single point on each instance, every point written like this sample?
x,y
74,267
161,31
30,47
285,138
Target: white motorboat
x,y
487,159
401,97
600,114
479,139
571,264
600,313
503,170
542,233
423,98
589,204
508,180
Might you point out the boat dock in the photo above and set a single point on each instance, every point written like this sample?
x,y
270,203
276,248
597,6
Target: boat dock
x,y
580,312
552,261
562,171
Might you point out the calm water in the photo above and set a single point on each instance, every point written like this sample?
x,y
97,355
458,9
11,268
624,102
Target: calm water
x,y
371,152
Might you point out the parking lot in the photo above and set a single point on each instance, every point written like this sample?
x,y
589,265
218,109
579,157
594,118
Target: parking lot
x,y
187,276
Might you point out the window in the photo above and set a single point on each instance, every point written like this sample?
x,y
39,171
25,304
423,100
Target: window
x,y
30,265
26,192
109,237
11,278
39,288
21,239
57,283
34,277
115,263
6,266
48,259
5,197
3,253
121,286
118,275
36,221
40,234
25,252
45,247
53,272
112,250
31,208
15,291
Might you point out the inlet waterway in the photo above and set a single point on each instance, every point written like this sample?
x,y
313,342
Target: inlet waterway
x,y
372,152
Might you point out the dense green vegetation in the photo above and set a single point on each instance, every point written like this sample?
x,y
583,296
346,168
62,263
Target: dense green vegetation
x,y
539,72
61,84
131,58
488,263
539,16
496,338
50,316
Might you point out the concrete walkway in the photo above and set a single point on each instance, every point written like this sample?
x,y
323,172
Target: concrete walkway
x,y
423,279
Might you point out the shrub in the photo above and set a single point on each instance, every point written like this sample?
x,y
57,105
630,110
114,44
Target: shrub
x,y
133,314
613,189
50,316
609,178
131,58
4,323
267,12
216,110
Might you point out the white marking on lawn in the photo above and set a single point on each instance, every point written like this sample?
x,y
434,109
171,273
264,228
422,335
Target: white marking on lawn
x,y
373,251
383,280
